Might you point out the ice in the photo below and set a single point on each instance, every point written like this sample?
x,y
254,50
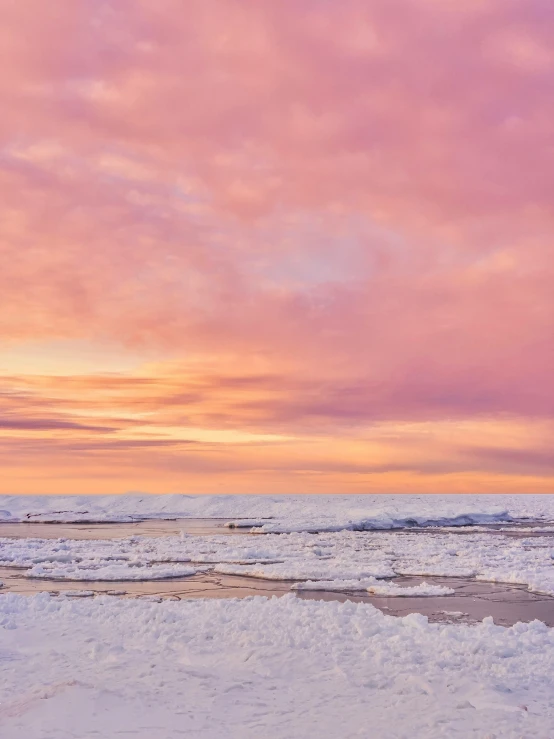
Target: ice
x,y
328,556
85,667
374,587
77,594
304,571
283,512
111,572
246,523
379,521
455,614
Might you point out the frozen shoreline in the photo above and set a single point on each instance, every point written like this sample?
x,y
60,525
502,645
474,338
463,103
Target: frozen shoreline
x,y
100,665
284,513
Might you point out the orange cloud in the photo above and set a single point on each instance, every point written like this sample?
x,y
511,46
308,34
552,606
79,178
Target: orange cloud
x,y
316,216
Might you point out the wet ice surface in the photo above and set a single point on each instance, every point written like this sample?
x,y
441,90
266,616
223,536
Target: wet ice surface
x,y
335,557
116,529
163,571
471,602
221,526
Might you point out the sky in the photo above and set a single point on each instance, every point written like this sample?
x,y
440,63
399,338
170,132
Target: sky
x,y
277,246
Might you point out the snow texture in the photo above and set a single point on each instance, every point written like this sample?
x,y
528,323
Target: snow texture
x,y
282,512
281,668
329,556
78,667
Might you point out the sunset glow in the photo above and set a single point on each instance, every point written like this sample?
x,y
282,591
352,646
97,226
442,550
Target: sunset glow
x,y
277,246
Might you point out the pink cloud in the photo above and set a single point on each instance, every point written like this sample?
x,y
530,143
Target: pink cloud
x,y
355,196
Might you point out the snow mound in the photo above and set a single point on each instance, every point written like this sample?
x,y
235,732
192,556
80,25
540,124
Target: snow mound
x,y
284,667
282,512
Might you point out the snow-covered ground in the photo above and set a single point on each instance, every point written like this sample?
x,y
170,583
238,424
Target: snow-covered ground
x,y
78,667
279,668
287,512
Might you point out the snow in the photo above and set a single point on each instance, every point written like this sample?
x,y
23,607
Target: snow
x,y
283,512
110,572
374,587
245,523
328,556
282,668
77,666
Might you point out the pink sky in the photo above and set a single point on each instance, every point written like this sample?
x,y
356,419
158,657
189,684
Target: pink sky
x,y
277,246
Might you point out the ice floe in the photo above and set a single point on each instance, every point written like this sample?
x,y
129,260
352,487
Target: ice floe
x,y
110,572
328,556
373,586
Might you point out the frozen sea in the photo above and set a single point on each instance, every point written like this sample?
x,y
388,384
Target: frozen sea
x,y
88,658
